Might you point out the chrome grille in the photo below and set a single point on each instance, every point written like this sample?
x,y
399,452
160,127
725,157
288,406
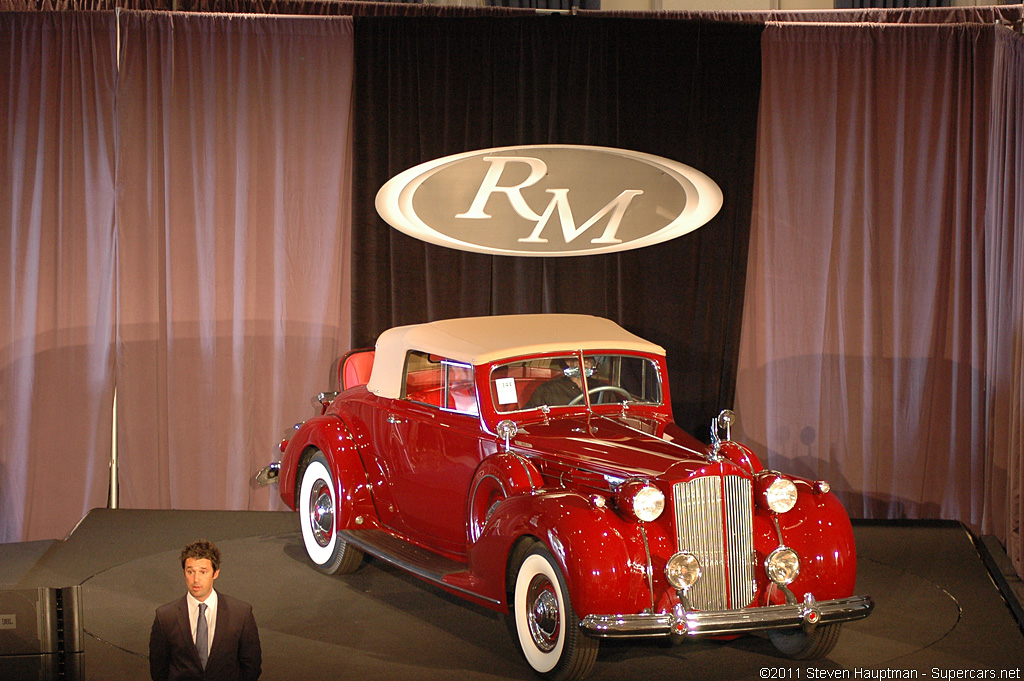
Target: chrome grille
x,y
713,515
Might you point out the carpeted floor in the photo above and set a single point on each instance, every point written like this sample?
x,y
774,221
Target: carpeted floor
x,y
938,609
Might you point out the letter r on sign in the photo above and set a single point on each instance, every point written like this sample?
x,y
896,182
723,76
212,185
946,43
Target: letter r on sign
x,y
514,192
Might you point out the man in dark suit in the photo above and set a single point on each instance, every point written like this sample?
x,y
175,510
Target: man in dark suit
x,y
204,635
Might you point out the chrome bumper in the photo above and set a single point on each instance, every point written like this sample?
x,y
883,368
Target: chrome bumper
x,y
268,474
682,622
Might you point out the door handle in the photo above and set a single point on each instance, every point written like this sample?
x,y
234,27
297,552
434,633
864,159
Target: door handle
x,y
392,419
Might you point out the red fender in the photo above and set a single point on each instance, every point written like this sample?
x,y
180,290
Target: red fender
x,y
497,478
330,435
741,456
819,530
601,554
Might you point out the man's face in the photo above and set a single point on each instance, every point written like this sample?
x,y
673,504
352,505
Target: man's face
x,y
199,576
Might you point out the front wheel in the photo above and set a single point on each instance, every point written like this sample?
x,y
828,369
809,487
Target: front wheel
x,y
318,507
799,645
542,619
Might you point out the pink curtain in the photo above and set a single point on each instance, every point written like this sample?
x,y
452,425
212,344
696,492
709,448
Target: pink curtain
x,y
1005,293
233,185
881,343
57,79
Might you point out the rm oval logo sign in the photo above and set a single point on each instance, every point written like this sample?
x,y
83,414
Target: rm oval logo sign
x,y
549,200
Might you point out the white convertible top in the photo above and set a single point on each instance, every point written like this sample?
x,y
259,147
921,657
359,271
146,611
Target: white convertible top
x,y
479,340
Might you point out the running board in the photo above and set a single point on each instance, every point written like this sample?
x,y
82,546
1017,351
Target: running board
x,y
421,562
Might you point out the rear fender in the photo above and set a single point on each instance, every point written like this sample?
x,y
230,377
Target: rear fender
x,y
601,555
329,435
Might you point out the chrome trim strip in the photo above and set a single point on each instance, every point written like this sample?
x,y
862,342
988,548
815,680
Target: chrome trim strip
x,y
474,531
526,468
697,623
778,529
650,564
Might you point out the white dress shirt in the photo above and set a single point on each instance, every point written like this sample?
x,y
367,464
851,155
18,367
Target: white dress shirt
x,y
211,615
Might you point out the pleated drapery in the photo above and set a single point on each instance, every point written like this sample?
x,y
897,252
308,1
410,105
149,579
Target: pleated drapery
x,y
176,219
57,309
233,212
178,228
881,345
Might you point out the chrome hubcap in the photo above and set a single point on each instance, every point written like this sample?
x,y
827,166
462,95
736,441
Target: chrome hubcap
x,y
321,513
542,612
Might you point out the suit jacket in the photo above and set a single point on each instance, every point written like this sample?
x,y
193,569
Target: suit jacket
x,y
235,654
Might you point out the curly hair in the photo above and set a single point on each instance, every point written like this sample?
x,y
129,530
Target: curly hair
x,y
198,550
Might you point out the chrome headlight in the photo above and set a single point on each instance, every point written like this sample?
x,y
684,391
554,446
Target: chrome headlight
x,y
782,565
682,570
780,495
648,503
640,498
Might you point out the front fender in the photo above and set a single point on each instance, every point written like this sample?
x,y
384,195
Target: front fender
x,y
819,530
601,555
497,478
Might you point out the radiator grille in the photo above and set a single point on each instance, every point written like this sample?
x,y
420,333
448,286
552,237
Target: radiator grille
x,y
713,515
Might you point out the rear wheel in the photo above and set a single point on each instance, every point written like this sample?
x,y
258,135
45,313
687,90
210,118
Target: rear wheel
x,y
796,644
542,618
318,507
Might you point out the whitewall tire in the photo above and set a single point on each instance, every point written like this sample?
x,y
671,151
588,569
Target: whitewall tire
x,y
542,619
317,505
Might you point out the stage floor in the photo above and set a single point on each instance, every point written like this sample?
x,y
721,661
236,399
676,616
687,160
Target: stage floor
x,y
938,612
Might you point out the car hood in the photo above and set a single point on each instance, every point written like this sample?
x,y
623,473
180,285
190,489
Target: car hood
x,y
612,446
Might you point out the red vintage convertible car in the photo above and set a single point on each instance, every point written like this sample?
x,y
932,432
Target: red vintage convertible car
x,y
530,464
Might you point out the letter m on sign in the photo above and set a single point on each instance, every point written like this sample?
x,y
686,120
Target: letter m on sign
x,y
558,205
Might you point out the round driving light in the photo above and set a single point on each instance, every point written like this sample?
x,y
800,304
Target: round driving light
x,y
682,570
780,495
782,565
648,503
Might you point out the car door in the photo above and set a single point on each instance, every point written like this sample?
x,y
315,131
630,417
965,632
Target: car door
x,y
433,450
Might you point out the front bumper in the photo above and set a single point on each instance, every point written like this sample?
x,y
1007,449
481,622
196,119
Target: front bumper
x,y
683,622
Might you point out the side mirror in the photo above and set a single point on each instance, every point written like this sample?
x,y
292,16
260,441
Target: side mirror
x,y
721,423
507,430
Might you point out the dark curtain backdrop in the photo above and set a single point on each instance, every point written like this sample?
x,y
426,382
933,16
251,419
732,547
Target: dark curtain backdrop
x,y
683,90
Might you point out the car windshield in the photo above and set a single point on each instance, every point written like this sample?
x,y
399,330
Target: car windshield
x,y
558,381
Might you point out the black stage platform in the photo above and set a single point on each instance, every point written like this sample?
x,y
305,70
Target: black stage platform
x,y
939,614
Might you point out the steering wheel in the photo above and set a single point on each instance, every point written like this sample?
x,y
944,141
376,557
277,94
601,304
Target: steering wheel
x,y
602,389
